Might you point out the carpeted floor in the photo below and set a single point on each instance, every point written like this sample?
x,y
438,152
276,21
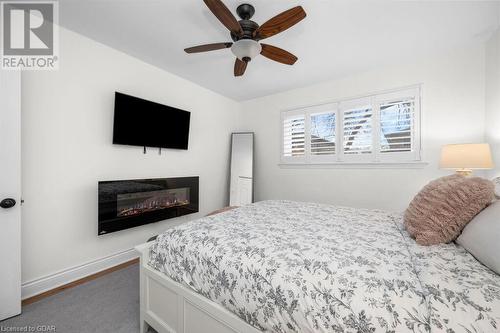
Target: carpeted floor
x,y
107,304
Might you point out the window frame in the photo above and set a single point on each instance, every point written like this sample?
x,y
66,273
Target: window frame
x,y
376,157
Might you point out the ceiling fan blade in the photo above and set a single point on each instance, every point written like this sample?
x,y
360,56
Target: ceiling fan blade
x,y
280,22
224,15
239,67
277,54
208,47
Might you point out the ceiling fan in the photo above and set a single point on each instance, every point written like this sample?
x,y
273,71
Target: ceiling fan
x,y
246,34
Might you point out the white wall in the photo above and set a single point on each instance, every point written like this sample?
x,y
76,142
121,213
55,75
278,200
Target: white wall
x,y
66,148
453,112
493,98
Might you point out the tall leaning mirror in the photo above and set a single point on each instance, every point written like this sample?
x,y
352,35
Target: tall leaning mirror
x,y
241,178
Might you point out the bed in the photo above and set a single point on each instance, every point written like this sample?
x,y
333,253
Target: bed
x,y
283,266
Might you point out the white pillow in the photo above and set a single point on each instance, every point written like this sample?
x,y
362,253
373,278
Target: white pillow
x,y
496,181
481,237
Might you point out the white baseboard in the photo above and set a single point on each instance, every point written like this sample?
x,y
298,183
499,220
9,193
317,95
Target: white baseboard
x,y
38,286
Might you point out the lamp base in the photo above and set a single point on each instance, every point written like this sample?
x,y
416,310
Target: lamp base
x,y
464,172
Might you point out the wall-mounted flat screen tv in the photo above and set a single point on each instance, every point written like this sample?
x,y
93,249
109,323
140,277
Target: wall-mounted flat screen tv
x,y
138,122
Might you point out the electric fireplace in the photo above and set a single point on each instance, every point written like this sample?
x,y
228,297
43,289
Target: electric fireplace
x,y
126,204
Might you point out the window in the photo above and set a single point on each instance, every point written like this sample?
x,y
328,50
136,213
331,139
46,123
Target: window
x,y
381,128
323,134
396,123
357,130
293,136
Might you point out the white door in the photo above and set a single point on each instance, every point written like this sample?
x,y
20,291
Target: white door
x,y
10,193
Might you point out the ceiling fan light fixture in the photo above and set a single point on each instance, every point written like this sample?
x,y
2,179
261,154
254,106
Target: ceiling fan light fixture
x,y
246,49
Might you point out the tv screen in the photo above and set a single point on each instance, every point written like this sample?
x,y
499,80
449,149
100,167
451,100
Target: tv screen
x,y
139,122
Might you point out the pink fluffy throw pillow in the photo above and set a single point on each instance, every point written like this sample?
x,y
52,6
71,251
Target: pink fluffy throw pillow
x,y
443,208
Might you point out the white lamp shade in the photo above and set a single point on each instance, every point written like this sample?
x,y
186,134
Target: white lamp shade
x,y
466,156
246,48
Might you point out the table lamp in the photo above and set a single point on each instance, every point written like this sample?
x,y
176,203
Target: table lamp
x,y
466,157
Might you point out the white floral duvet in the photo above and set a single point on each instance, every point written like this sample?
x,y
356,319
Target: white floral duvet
x,y
286,266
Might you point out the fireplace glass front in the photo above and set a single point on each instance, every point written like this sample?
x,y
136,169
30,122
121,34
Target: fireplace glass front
x,y
129,203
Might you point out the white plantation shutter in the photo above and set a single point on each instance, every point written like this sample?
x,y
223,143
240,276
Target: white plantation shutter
x,y
294,135
358,131
378,128
399,125
396,125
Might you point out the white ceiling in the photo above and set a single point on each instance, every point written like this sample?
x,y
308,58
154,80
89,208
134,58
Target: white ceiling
x,y
336,39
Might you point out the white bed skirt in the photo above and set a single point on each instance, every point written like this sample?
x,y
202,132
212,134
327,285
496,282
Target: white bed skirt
x,y
168,306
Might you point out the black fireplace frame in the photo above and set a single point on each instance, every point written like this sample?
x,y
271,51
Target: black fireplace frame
x,y
108,191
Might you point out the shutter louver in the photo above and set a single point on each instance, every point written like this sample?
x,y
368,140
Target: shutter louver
x,y
396,126
294,136
358,138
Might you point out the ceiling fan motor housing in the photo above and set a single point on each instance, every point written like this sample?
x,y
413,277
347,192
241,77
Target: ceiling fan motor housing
x,y
248,28
245,12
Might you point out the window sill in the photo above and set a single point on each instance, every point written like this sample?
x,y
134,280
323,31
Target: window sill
x,y
351,165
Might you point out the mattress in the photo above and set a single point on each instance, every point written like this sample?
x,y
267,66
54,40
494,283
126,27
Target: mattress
x,y
286,266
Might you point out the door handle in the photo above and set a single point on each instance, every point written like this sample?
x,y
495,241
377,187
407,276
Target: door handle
x,y
7,203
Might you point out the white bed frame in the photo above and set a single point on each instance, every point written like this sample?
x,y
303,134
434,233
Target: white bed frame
x,y
168,306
